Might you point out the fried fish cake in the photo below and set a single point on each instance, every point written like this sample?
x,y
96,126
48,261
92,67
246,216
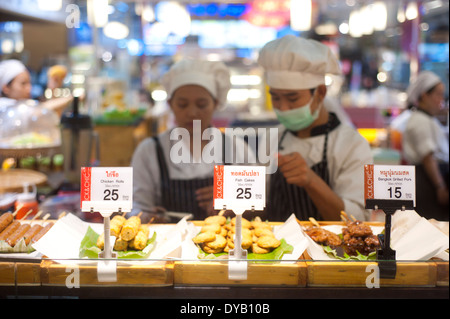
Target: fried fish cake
x,y
218,243
260,224
263,232
210,250
204,237
268,242
216,219
245,222
216,228
259,250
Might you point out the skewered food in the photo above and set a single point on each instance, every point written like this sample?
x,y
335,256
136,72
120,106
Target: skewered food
x,y
42,232
31,233
129,233
130,228
323,236
9,230
5,220
18,234
217,235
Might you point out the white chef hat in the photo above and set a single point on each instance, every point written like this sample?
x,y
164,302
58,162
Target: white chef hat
x,y
295,63
212,75
9,69
424,81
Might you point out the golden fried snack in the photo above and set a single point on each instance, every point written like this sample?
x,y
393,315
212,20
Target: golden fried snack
x,y
246,242
139,242
268,242
130,228
216,219
120,244
245,223
259,250
259,224
116,225
263,232
218,243
216,228
204,237
210,250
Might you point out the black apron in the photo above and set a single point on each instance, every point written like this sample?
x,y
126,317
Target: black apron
x,y
178,195
286,199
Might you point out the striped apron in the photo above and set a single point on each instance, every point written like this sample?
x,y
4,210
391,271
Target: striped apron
x,y
284,198
178,195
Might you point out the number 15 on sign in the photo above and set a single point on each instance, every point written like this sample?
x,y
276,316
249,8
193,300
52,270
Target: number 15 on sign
x,y
390,182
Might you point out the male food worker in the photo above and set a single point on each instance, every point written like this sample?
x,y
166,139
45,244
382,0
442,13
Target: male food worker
x,y
320,160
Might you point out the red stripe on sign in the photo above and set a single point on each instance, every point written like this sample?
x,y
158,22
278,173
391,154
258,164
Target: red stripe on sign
x,y
368,182
218,181
85,184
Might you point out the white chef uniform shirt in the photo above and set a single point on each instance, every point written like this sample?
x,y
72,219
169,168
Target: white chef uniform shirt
x,y
424,134
347,154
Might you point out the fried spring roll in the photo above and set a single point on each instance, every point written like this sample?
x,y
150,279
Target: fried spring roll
x,y
130,228
120,244
140,240
115,227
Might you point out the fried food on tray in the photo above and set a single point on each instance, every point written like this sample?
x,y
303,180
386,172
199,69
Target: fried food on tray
x,y
358,237
129,233
323,236
130,228
217,235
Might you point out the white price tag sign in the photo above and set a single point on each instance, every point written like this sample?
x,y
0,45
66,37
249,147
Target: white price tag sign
x,y
390,182
239,188
106,189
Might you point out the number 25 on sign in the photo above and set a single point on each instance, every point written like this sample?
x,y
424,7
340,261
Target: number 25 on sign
x,y
390,182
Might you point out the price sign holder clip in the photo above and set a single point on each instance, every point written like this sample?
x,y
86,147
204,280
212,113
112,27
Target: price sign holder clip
x,y
386,255
237,264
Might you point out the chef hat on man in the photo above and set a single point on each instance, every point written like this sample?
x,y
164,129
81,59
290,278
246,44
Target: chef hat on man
x,y
9,69
212,75
295,63
424,81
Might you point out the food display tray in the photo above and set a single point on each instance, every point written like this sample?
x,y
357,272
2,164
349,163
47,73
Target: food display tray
x,y
137,274
348,273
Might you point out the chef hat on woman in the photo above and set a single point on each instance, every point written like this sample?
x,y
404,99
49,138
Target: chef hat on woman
x,y
295,63
9,69
212,75
425,80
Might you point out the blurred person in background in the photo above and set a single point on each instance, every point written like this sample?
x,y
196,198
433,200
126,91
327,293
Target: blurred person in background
x,y
425,145
15,82
196,89
320,160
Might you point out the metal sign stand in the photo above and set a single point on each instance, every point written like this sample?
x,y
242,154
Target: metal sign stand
x,y
386,255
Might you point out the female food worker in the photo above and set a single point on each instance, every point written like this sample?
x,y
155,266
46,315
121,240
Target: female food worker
x,y
162,178
425,144
321,160
15,82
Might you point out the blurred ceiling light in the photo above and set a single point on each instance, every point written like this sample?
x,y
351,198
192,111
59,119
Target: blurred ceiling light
x,y
412,11
97,11
301,15
159,95
326,29
354,24
116,30
401,13
7,46
432,5
382,77
245,80
343,28
148,14
50,5
379,13
175,16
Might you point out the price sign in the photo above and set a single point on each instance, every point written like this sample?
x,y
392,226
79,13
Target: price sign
x,y
106,189
239,188
390,182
